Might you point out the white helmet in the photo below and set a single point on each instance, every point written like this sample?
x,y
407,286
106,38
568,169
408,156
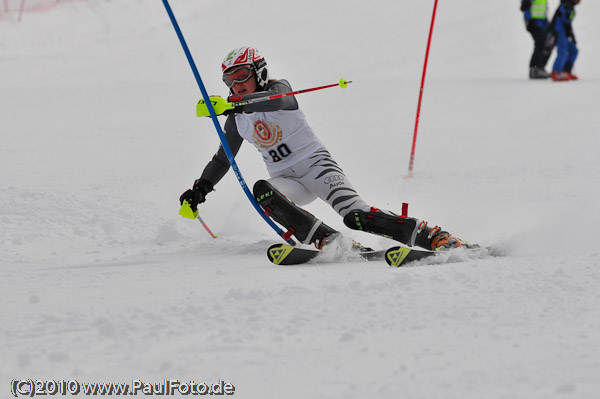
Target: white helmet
x,y
248,56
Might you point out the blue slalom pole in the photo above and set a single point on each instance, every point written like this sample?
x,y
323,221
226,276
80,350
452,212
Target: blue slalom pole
x,y
213,115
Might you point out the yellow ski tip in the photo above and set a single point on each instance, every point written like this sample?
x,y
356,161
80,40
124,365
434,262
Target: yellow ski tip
x,y
397,257
187,212
279,253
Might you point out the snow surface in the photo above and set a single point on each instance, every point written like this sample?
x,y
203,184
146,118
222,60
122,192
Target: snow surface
x,y
101,280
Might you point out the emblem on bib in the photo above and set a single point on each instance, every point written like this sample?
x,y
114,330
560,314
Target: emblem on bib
x,y
266,134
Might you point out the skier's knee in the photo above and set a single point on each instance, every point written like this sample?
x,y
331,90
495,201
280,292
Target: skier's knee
x,y
264,192
261,187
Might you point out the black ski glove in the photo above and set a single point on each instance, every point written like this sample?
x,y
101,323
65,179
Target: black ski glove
x,y
197,194
234,110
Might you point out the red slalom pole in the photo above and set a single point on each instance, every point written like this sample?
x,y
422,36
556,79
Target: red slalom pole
x,y
237,100
414,143
21,9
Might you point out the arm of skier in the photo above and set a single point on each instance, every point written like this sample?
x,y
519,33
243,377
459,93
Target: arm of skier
x,y
216,168
225,107
287,103
219,164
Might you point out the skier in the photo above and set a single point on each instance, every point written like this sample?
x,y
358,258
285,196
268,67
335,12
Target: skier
x,y
536,21
561,33
300,166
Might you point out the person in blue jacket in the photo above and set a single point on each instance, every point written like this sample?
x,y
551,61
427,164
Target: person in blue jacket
x,y
535,13
561,30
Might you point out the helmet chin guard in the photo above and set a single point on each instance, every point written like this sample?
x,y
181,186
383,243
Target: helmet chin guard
x,y
248,56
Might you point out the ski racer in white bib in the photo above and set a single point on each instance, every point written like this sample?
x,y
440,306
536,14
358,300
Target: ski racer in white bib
x,y
301,169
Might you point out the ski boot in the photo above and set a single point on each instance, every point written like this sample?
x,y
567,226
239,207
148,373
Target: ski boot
x,y
538,73
302,224
406,230
399,228
560,77
436,239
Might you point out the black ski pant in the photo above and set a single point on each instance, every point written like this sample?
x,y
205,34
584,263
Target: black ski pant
x,y
541,52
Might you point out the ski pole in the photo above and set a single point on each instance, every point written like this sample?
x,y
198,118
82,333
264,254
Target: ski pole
x,y
237,100
206,227
220,104
414,143
187,212
285,235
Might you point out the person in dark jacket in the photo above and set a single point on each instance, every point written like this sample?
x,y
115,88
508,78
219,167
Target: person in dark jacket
x,y
561,34
536,21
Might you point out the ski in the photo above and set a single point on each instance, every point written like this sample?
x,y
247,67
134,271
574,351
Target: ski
x,y
399,256
283,254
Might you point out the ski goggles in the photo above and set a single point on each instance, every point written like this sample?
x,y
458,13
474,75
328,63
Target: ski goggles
x,y
238,75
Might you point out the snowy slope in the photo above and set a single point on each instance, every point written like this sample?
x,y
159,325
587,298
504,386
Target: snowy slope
x,y
101,280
